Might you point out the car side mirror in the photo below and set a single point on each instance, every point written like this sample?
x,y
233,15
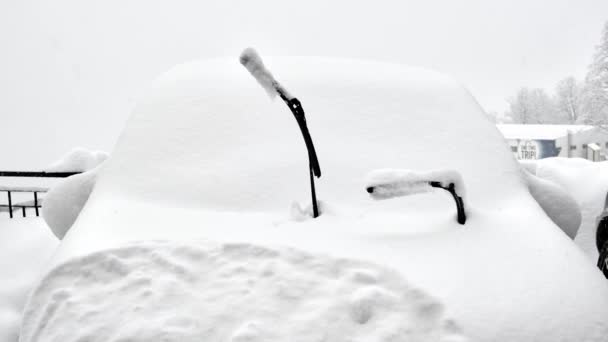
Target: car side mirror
x,y
391,183
601,239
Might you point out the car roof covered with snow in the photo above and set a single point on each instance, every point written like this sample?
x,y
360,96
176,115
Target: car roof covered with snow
x,y
207,155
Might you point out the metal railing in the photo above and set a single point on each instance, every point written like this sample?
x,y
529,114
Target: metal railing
x,y
36,204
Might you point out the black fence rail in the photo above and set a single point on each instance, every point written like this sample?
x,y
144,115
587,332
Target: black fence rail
x,y
11,207
38,174
36,203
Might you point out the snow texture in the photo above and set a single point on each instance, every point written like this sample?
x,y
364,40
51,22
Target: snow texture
x,y
389,183
236,292
559,205
64,202
26,246
252,61
78,160
206,155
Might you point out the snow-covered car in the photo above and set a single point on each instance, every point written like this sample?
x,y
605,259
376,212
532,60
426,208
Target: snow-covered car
x,y
198,227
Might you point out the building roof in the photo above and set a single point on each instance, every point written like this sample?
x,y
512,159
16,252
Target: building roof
x,y
539,132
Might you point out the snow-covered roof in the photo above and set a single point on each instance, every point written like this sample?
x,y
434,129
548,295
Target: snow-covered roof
x,y
539,132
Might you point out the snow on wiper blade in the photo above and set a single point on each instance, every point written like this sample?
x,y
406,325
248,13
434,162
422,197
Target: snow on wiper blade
x,y
252,61
390,183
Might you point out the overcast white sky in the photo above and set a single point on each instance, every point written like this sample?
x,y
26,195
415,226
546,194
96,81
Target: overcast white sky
x,y
71,70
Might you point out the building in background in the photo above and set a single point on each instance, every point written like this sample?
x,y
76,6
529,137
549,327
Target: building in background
x,y
543,141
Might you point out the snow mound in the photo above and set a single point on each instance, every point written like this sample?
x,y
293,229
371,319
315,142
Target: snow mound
x,y
64,202
587,182
78,160
235,292
559,205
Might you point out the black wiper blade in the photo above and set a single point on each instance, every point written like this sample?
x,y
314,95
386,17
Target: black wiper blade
x,y
298,112
253,63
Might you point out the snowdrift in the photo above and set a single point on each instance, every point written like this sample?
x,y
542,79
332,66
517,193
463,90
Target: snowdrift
x,y
558,204
587,182
207,155
236,292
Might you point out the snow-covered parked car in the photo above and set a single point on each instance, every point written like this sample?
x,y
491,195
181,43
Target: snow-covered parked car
x,y
198,227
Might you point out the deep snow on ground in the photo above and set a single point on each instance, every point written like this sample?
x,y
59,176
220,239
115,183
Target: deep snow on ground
x,y
230,292
26,245
587,182
207,155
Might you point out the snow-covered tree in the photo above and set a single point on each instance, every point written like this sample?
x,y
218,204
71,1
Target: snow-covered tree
x,y
532,106
595,92
568,100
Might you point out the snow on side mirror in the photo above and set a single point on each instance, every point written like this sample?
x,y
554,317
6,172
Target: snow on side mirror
x,y
64,202
556,202
390,183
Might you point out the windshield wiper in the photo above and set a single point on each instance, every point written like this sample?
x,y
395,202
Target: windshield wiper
x,y
391,183
253,63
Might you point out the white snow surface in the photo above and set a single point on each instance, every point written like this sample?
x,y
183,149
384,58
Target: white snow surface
x,y
78,160
390,183
587,182
65,200
235,292
26,246
207,155
252,61
558,204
